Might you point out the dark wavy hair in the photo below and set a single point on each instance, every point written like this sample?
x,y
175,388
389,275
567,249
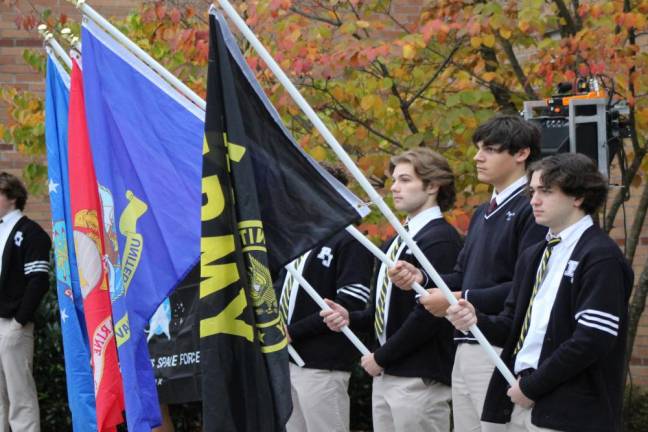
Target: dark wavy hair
x,y
510,133
13,189
430,167
576,175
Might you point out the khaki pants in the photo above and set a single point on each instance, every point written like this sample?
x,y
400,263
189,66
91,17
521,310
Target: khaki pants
x,y
18,399
410,405
320,400
471,374
521,421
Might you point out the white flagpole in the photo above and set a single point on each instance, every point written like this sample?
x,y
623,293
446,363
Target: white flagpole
x,y
359,176
143,55
295,356
322,304
49,39
378,253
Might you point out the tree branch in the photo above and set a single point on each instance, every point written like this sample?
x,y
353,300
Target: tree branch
x,y
346,114
570,27
637,225
436,74
329,21
403,104
502,95
517,69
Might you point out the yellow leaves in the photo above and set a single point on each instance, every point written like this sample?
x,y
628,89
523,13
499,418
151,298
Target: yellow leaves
x,y
338,93
524,26
505,33
488,40
489,76
641,115
319,153
362,24
475,42
470,122
370,101
409,52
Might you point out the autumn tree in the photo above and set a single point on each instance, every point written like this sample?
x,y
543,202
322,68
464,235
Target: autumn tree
x,y
384,84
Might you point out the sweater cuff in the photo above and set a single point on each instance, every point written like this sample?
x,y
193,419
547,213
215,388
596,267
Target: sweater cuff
x,y
381,356
529,387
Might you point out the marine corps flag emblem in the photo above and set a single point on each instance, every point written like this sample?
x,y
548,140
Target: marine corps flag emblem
x,y
264,203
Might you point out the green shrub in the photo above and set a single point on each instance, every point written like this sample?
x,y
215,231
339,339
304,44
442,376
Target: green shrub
x,y
49,365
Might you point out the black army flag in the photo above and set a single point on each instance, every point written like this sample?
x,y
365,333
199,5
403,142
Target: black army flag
x,y
264,203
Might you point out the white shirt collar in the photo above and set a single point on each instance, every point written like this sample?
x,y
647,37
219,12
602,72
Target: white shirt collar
x,y
11,217
572,233
502,196
415,224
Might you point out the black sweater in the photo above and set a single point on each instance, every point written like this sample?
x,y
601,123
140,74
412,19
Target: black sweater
x,y
418,343
25,271
578,385
487,261
340,269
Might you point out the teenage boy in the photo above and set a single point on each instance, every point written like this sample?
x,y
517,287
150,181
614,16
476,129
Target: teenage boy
x,y
340,268
564,325
412,361
24,279
498,233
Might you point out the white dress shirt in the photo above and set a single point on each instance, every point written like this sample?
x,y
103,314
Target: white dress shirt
x,y
414,225
8,222
529,354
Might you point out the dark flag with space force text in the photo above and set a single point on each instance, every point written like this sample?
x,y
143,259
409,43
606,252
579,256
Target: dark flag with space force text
x,y
265,202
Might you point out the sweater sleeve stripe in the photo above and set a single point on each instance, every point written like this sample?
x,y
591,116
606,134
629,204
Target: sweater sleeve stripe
x,y
596,326
597,312
42,270
361,293
592,319
36,264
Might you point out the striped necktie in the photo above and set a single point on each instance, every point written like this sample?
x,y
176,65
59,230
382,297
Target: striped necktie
x,y
540,275
288,287
379,317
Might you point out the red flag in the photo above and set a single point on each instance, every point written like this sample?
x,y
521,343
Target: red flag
x,y
90,250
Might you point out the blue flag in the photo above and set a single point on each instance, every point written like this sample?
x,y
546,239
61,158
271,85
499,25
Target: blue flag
x,y
78,372
147,142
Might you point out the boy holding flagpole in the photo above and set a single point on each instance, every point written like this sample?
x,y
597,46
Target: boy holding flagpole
x,y
499,231
564,324
338,268
413,352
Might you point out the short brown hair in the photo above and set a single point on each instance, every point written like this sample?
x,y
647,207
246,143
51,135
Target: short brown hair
x,y
13,189
430,167
576,175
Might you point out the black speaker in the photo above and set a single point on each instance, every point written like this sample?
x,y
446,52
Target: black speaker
x,y
554,134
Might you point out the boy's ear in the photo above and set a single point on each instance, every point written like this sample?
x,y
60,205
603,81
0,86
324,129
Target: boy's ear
x,y
432,189
522,155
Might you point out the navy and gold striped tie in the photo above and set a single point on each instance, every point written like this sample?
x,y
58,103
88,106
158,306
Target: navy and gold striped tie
x,y
379,317
287,289
540,275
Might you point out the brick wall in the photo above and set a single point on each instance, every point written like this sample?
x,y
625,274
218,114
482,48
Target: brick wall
x,y
14,71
